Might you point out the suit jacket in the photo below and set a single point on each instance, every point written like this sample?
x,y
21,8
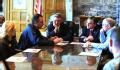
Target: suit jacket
x,y
85,33
31,37
64,32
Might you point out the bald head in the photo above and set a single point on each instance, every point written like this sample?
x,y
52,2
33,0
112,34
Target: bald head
x,y
109,21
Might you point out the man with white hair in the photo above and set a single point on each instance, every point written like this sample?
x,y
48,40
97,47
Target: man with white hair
x,y
107,25
114,47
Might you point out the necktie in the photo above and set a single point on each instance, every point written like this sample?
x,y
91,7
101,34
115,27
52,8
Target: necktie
x,y
90,33
57,30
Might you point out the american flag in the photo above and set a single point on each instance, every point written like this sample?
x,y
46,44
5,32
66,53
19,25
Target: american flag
x,y
38,7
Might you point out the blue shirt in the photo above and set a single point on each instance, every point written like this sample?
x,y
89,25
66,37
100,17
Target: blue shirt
x,y
104,40
112,64
31,37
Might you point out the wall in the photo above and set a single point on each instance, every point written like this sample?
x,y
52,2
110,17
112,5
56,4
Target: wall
x,y
118,11
103,8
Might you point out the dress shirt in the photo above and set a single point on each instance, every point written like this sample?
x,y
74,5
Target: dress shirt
x,y
105,43
102,37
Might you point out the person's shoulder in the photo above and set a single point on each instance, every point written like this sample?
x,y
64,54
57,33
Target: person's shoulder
x,y
27,29
50,23
84,29
110,65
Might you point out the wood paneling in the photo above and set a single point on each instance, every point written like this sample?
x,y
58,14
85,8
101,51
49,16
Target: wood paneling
x,y
49,5
53,6
19,15
60,5
23,16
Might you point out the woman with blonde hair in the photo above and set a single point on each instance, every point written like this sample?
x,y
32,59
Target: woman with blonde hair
x,y
8,42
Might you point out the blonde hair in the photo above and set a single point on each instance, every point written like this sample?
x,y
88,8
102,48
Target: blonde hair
x,y
7,27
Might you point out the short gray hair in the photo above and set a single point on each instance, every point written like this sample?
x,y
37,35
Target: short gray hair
x,y
57,15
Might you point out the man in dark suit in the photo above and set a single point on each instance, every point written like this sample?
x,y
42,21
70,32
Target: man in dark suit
x,y
58,29
91,32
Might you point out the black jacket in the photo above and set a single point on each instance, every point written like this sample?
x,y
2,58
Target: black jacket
x,y
7,48
65,31
85,33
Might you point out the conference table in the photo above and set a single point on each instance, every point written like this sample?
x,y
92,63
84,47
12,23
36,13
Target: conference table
x,y
58,57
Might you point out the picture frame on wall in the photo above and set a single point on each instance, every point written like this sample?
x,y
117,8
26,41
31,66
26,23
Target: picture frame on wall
x,y
19,4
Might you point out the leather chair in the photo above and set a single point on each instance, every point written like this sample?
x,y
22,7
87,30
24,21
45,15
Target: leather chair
x,y
73,26
74,29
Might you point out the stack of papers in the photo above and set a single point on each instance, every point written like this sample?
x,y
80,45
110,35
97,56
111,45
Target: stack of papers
x,y
89,54
32,50
16,59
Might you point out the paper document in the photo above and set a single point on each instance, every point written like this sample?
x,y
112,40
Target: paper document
x,y
16,59
61,43
89,54
32,50
78,43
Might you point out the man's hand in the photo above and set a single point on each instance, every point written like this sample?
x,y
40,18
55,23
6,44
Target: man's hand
x,y
102,30
57,40
52,38
89,38
87,44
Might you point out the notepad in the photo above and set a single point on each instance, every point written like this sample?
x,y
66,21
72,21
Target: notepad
x,y
16,59
32,50
89,54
